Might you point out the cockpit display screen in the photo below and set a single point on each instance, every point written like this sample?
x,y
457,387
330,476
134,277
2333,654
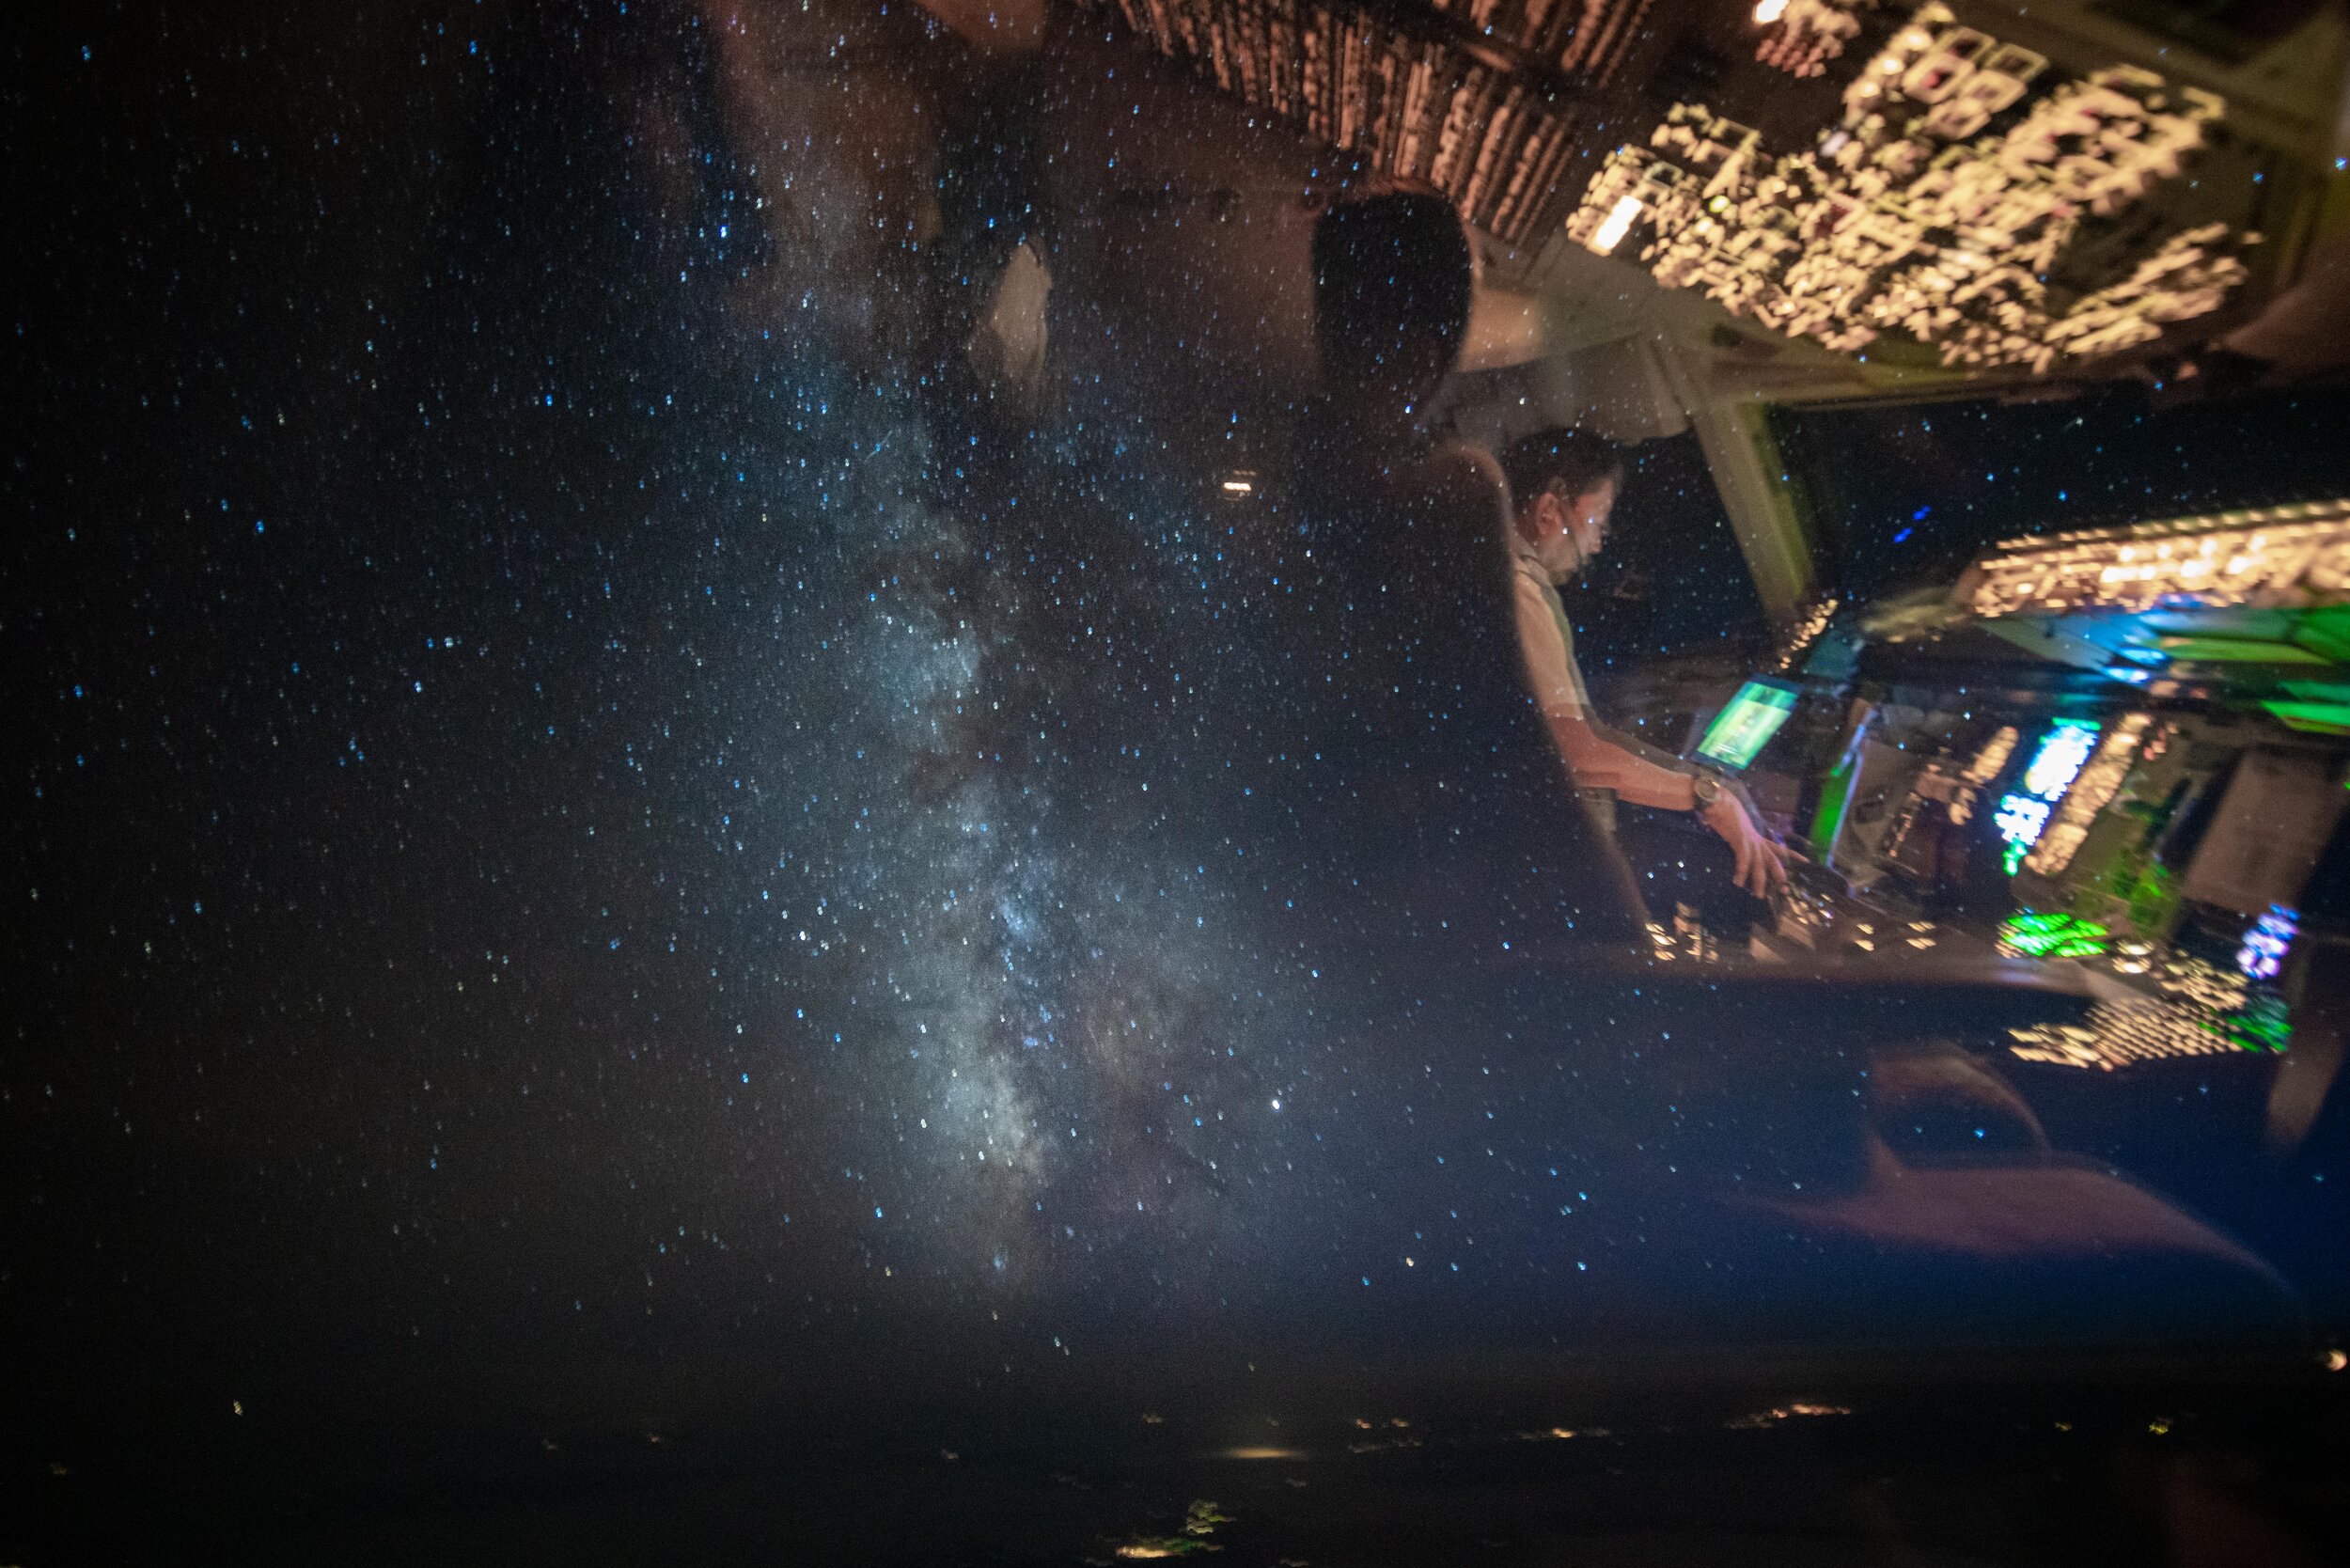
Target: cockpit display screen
x,y
1747,723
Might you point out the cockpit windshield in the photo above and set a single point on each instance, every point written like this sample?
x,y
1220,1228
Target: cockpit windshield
x,y
809,705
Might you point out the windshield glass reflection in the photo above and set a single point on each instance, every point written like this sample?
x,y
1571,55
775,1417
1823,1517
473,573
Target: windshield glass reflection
x,y
937,697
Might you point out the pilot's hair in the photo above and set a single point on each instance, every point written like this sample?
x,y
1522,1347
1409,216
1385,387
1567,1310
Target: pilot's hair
x,y
1561,460
1388,266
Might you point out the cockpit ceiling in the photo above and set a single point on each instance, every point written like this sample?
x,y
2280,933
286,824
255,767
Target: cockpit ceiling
x,y
1917,190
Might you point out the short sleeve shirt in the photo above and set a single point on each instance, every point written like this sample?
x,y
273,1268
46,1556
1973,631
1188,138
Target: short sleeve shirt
x,y
1547,642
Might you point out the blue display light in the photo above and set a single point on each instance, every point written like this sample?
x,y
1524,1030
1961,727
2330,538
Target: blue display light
x,y
2023,814
2263,952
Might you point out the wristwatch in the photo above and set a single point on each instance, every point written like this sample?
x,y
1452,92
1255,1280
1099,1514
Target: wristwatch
x,y
1706,787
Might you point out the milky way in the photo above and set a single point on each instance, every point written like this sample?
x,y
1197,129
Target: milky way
x,y
556,809
592,795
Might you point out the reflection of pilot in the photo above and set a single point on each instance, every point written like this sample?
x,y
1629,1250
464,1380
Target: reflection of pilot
x,y
1423,793
1563,484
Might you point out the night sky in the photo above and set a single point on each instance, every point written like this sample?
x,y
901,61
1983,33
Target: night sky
x,y
556,818
563,820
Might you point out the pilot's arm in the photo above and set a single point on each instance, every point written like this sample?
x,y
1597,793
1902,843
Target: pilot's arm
x,y
1592,756
1598,761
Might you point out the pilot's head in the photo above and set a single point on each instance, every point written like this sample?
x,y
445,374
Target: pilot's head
x,y
1563,485
1392,274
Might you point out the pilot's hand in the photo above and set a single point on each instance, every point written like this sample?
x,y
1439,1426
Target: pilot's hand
x,y
1761,868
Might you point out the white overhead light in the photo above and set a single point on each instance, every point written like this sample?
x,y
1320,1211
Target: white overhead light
x,y
1615,224
1768,12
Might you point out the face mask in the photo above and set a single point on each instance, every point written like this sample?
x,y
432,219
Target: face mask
x,y
1558,557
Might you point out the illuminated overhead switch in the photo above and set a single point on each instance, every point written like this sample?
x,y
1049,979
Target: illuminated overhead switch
x,y
1615,225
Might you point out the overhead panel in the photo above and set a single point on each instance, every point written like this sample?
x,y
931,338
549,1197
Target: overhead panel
x,y
1473,98
1964,201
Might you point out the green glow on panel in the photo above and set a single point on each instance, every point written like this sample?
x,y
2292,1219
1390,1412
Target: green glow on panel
x,y
2239,650
2326,631
2263,1025
2051,934
1828,820
2320,718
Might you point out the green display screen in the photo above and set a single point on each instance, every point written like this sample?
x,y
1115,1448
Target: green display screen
x,y
1747,723
2318,718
